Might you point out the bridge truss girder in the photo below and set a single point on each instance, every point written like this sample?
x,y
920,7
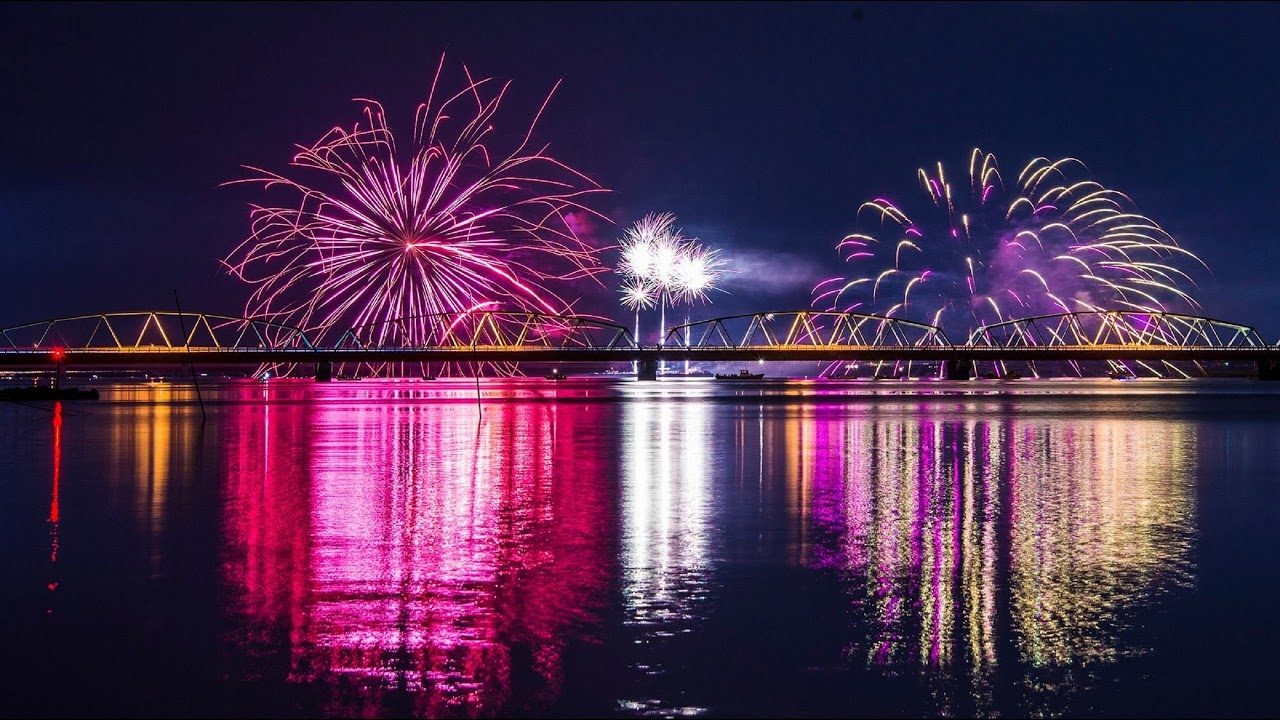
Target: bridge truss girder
x,y
1117,327
490,328
805,328
153,329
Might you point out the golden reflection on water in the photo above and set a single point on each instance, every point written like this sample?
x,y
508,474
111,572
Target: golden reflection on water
x,y
1103,512
151,448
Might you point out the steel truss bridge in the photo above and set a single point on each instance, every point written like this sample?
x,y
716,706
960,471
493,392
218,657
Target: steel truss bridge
x,y
1151,340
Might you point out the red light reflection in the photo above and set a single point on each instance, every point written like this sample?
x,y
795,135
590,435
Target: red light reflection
x,y
57,460
54,513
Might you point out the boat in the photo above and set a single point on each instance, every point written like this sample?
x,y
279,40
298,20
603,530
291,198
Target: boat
x,y
743,375
1010,375
1122,374
47,393
555,374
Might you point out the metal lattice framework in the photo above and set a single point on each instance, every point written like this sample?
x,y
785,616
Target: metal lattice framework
x,y
806,328
150,329
480,341
1120,327
1117,329
491,329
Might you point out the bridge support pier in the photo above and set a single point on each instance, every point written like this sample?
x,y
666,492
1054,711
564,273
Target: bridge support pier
x,y
324,371
1269,369
958,369
647,368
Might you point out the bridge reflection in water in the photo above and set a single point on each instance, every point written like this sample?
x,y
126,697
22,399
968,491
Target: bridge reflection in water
x,y
394,557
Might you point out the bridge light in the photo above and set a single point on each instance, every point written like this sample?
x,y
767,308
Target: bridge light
x,y
57,354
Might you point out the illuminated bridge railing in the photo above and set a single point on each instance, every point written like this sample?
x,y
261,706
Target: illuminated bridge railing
x,y
491,329
806,329
151,330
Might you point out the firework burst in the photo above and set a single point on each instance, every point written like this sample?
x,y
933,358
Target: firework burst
x,y
377,232
661,266
1051,241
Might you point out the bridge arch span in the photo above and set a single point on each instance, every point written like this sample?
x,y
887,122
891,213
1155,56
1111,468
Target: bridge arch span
x,y
152,329
490,328
1117,327
805,328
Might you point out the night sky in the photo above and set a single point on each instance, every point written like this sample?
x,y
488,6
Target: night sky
x,y
761,126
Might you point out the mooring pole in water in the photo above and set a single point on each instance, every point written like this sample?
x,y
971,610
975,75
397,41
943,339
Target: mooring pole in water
x,y
475,370
186,342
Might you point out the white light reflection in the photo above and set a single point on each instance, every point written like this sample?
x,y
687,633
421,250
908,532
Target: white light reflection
x,y
667,552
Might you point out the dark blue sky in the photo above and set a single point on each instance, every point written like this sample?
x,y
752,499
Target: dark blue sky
x,y
762,126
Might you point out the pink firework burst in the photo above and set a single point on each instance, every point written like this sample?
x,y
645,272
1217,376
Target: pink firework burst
x,y
378,232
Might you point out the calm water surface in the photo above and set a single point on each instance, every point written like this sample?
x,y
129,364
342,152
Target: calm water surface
x,y
680,548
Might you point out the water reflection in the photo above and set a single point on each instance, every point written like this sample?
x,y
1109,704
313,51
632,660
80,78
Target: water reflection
x,y
411,560
401,558
667,545
55,511
1011,542
152,447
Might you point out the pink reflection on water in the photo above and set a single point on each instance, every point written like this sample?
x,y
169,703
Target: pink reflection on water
x,y
400,557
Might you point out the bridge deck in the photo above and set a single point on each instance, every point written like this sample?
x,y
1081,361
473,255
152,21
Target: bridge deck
x,y
147,355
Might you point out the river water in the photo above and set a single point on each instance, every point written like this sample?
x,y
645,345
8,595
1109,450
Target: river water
x,y
605,547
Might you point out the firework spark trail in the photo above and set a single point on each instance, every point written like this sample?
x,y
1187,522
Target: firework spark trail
x,y
376,235
1052,241
661,266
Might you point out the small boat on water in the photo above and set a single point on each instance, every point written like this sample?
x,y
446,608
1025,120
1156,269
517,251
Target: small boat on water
x,y
555,374
743,375
1122,374
1011,375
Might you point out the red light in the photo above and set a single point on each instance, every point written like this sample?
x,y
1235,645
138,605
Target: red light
x,y
57,354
